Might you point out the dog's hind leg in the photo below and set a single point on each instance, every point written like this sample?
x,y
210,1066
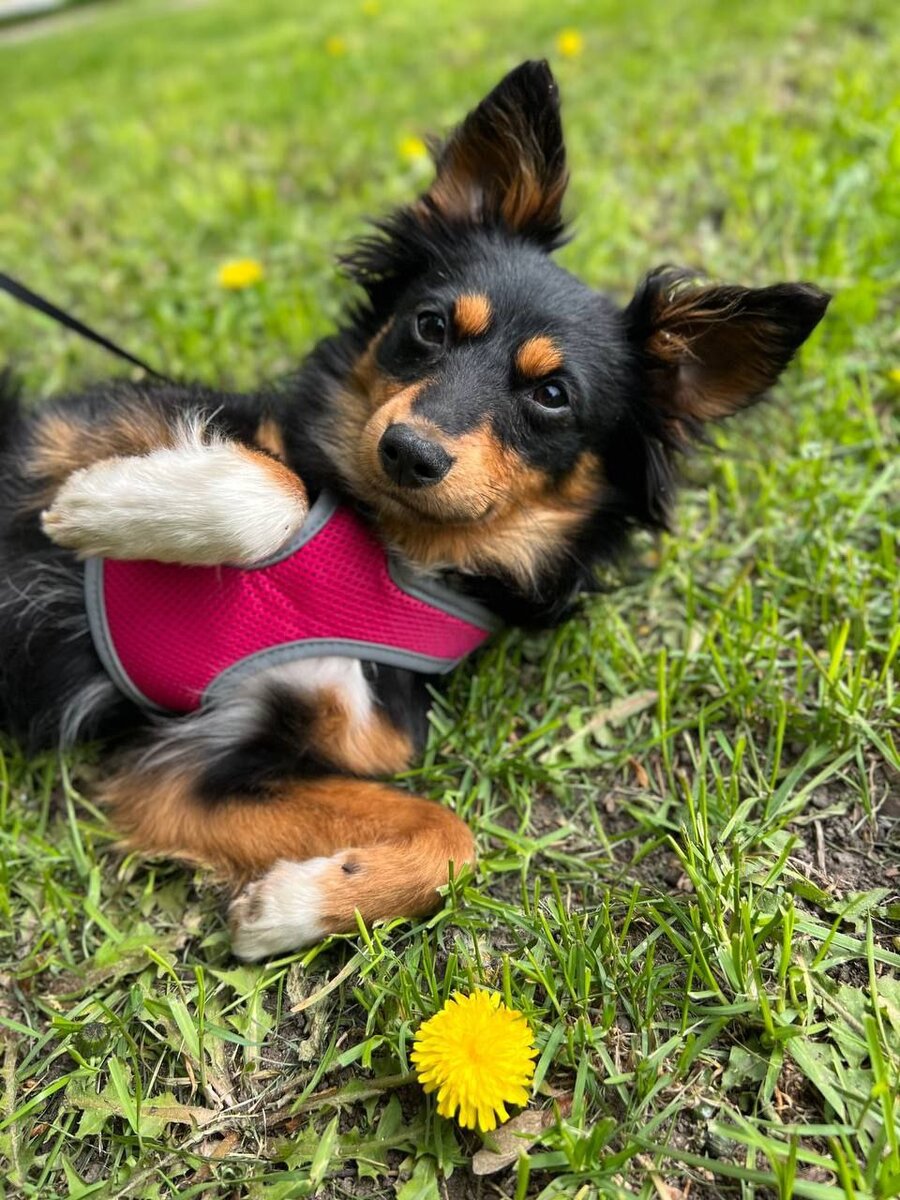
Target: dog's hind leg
x,y
308,855
384,855
253,788
298,902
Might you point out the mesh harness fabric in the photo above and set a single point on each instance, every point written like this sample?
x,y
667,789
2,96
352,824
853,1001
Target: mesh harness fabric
x,y
175,638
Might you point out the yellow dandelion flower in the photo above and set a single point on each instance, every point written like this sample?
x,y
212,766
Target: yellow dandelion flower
x,y
240,273
569,42
371,8
477,1055
894,375
336,46
412,148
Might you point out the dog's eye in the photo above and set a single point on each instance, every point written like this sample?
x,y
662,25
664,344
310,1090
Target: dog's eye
x,y
431,328
550,395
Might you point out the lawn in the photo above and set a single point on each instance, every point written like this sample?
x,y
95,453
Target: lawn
x,y
686,800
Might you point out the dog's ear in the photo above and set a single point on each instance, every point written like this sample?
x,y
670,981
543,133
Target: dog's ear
x,y
705,351
709,350
506,163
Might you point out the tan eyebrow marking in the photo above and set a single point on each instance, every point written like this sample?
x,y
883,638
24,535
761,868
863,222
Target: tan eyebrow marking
x,y
472,315
538,356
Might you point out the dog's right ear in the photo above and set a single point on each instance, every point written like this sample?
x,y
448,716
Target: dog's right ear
x,y
506,163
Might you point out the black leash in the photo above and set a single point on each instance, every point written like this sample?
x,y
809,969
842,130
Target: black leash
x,y
26,296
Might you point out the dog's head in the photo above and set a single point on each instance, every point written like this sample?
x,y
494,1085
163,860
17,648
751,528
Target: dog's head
x,y
499,416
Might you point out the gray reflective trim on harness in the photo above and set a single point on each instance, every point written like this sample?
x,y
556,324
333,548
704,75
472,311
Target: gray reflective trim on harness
x,y
424,588
437,594
95,605
288,652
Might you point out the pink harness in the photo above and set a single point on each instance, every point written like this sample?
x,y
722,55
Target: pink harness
x,y
175,637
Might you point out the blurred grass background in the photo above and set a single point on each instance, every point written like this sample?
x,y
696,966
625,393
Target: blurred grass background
x,y
686,800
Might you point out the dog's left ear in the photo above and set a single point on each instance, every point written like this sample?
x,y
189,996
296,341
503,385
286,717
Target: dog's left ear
x,y
506,163
708,351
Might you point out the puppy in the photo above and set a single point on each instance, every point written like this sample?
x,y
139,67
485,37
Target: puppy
x,y
480,432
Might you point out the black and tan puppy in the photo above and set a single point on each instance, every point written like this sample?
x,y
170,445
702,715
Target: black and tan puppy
x,y
501,427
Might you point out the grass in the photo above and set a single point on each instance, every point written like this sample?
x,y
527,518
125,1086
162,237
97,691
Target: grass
x,y
685,799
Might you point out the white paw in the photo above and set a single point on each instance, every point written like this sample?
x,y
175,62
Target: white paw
x,y
74,520
194,503
280,911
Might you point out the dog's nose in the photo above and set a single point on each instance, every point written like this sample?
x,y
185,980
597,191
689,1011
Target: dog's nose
x,y
410,460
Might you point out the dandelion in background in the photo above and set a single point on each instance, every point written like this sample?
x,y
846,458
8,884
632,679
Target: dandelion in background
x,y
239,273
412,149
569,42
477,1055
335,46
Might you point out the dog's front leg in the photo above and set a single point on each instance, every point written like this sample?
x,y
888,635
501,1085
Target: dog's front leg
x,y
201,501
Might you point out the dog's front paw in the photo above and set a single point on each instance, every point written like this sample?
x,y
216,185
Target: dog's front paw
x,y
78,517
281,911
193,503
